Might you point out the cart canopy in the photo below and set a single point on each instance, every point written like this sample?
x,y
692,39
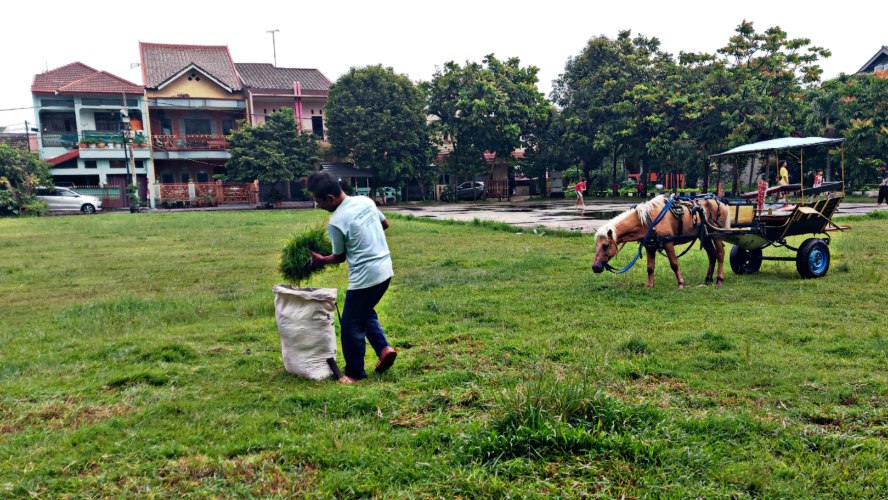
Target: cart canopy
x,y
775,144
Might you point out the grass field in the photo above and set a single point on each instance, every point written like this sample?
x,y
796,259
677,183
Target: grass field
x,y
139,356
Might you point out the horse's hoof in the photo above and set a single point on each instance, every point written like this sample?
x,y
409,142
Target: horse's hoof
x,y
718,283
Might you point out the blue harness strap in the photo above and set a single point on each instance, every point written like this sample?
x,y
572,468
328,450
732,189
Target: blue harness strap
x,y
644,241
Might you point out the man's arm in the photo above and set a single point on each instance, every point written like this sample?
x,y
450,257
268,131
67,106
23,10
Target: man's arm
x,y
385,224
318,260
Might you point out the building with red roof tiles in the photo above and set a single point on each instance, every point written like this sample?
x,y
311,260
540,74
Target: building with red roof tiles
x,y
195,99
84,118
269,88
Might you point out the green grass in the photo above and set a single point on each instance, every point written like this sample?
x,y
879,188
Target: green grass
x,y
139,356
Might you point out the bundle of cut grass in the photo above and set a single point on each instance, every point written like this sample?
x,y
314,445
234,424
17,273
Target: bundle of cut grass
x,y
296,256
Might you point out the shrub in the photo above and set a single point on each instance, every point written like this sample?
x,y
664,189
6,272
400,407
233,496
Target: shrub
x,y
296,256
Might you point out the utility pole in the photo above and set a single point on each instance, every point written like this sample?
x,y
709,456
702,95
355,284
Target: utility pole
x,y
273,46
28,135
129,155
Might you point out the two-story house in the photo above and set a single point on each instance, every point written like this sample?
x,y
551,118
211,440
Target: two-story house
x,y
268,88
80,122
194,99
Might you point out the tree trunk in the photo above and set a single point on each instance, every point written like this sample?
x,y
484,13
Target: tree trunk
x,y
614,185
706,175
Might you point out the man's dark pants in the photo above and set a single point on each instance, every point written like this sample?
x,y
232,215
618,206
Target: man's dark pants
x,y
359,324
883,194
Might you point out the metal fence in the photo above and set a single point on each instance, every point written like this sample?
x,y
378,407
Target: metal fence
x,y
111,196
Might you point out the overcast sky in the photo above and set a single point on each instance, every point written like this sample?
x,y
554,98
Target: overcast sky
x,y
413,37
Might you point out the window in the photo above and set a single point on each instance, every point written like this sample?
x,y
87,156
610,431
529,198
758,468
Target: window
x,y
139,164
94,101
186,177
108,122
90,164
166,126
167,177
58,122
66,103
203,176
317,126
227,126
197,126
117,164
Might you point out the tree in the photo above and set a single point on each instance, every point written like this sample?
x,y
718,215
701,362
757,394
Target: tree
x,y
863,122
594,95
493,106
271,152
20,173
377,118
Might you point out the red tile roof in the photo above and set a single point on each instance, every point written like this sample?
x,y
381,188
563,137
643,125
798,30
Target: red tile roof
x,y
74,153
162,61
268,77
78,78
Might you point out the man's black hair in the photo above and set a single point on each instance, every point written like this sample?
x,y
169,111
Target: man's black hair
x,y
323,183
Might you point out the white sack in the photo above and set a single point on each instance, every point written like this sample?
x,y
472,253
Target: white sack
x,y
305,323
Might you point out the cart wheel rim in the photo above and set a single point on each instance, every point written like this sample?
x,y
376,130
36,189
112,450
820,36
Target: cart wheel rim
x,y
817,261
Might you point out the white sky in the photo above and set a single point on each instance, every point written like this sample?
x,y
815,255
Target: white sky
x,y
413,37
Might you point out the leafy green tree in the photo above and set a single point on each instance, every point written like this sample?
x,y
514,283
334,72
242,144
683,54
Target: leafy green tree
x,y
271,152
377,118
594,95
20,173
863,122
491,106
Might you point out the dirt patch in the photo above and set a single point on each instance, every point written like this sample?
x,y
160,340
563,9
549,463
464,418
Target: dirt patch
x,y
266,473
67,414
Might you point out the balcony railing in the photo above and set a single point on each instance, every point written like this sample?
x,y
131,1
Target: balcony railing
x,y
190,142
59,140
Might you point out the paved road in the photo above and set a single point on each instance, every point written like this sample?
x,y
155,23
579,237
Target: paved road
x,y
553,213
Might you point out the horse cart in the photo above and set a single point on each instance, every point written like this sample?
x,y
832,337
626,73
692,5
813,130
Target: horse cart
x,y
756,226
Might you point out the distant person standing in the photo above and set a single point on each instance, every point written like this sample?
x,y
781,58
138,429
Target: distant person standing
x,y
818,179
783,180
883,186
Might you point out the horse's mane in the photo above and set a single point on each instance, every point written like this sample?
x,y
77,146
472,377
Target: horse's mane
x,y
643,210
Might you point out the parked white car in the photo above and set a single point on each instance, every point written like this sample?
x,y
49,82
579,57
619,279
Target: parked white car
x,y
66,200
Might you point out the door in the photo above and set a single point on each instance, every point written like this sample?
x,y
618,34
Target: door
x,y
66,199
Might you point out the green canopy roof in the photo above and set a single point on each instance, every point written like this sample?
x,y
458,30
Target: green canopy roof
x,y
775,144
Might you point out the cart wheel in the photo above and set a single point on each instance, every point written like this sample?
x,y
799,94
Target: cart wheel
x,y
745,261
812,261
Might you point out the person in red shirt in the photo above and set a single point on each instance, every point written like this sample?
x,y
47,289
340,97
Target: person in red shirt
x,y
580,187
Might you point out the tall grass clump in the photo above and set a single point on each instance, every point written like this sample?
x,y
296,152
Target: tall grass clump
x,y
552,415
295,264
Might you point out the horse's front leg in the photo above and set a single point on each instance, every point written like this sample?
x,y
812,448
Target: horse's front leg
x,y
720,255
652,254
673,263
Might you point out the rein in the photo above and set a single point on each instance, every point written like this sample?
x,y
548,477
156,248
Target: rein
x,y
656,221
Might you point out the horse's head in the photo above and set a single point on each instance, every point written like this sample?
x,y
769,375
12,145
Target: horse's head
x,y
605,248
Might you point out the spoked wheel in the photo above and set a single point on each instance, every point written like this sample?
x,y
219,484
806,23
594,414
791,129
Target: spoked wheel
x,y
812,260
88,209
745,261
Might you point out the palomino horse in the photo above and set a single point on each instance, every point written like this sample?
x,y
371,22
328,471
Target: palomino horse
x,y
675,227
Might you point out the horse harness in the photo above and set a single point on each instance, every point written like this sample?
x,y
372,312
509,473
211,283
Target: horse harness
x,y
678,209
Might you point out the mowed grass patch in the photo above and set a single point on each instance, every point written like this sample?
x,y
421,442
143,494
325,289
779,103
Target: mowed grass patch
x,y
139,355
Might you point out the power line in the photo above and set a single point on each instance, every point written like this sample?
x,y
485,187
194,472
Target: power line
x,y
18,109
